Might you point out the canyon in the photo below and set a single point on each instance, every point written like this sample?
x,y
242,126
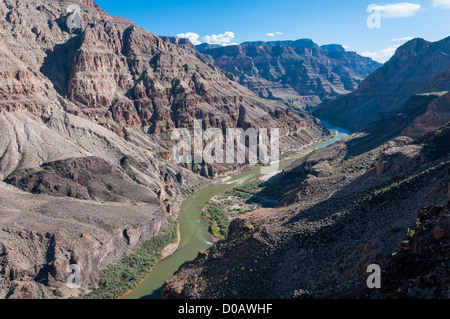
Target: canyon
x,y
85,121
379,196
87,178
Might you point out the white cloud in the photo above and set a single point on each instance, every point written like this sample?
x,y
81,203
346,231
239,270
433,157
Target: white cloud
x,y
442,3
382,55
398,10
402,39
193,37
273,34
345,47
222,39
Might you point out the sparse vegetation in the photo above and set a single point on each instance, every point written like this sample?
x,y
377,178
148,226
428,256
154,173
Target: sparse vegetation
x,y
410,232
117,279
219,221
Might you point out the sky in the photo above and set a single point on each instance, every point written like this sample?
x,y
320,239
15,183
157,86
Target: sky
x,y
371,28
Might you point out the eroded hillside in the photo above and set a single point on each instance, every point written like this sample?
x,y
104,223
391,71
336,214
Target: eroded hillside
x,y
85,122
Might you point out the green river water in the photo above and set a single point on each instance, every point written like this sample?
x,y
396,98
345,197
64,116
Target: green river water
x,y
193,229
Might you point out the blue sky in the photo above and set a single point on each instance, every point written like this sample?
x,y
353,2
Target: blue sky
x,y
325,21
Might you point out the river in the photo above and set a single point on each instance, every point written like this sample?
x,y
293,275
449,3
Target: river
x,y
193,229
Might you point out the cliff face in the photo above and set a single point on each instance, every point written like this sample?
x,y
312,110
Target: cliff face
x,y
417,67
436,115
297,72
41,235
85,123
118,75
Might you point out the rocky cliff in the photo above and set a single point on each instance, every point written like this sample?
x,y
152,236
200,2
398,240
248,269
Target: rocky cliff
x,y
42,235
183,42
417,67
85,120
436,114
300,73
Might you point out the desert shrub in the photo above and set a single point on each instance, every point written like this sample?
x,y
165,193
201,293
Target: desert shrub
x,y
219,221
118,278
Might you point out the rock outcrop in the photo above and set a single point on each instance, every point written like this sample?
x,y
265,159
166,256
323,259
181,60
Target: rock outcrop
x,y
420,268
183,42
436,115
42,235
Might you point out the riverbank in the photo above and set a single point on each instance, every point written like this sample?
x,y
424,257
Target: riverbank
x,y
171,248
119,279
166,252
250,196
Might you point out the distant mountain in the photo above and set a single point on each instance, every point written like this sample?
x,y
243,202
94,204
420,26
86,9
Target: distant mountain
x,y
300,43
300,73
206,46
333,48
418,67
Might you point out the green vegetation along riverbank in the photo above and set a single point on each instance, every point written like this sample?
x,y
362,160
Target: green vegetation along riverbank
x,y
119,278
217,219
